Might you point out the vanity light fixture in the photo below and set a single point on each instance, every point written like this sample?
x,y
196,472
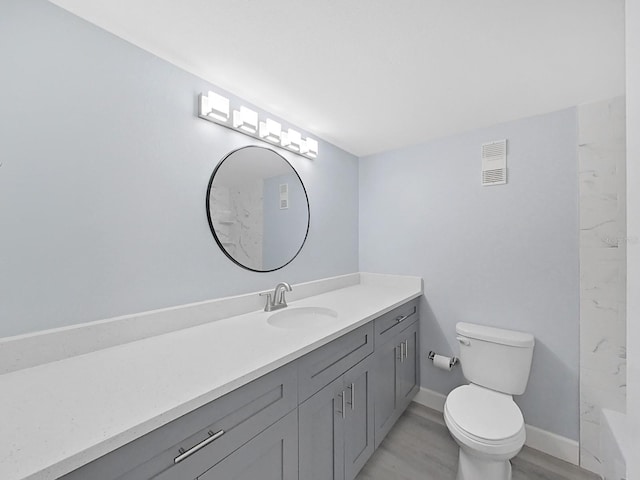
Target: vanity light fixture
x,y
246,119
270,130
292,140
312,148
215,106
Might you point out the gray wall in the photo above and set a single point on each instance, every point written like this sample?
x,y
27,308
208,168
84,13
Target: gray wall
x,y
284,229
505,256
103,180
103,175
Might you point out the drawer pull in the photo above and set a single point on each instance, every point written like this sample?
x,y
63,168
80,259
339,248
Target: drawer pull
x,y
393,322
402,352
187,453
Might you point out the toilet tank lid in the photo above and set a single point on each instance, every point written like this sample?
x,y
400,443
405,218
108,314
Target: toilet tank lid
x,y
495,335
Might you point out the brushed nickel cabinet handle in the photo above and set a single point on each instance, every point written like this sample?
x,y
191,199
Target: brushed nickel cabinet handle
x,y
353,396
187,453
401,318
342,395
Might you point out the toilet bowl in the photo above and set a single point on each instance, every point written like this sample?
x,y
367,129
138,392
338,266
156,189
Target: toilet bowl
x,y
489,428
482,417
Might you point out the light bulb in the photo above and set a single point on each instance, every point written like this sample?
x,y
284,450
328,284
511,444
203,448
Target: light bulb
x,y
312,148
292,140
270,130
245,119
215,106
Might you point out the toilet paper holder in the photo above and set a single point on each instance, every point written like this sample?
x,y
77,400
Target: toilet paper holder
x,y
453,361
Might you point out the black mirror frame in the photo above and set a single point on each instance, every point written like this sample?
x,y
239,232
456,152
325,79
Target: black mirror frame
x,y
208,210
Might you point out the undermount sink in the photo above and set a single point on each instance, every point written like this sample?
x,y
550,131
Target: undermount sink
x,y
303,317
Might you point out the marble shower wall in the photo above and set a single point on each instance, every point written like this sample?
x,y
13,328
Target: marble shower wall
x,y
601,158
238,220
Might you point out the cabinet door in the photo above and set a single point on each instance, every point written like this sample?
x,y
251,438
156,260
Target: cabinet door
x,y
358,424
321,434
409,368
272,455
384,383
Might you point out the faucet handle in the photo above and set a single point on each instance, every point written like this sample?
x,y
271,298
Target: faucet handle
x,y
270,299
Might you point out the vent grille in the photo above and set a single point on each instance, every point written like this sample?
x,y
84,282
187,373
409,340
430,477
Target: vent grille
x,y
494,163
284,196
494,149
493,177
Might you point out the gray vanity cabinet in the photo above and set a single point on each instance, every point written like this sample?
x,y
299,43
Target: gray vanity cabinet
x,y
189,446
336,427
358,425
269,456
396,371
408,380
321,434
319,417
325,364
385,390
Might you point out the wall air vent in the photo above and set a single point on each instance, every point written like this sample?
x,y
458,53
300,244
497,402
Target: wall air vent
x,y
284,196
494,163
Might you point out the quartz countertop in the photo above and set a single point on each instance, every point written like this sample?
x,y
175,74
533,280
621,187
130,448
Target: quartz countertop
x,y
58,416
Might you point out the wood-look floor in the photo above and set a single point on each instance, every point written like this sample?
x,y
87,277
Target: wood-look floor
x,y
419,447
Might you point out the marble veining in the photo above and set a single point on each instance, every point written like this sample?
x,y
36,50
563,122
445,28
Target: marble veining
x,y
601,157
238,219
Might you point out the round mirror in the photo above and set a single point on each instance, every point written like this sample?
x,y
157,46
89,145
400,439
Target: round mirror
x,y
258,209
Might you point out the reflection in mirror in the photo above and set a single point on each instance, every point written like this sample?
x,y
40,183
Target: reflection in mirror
x,y
258,209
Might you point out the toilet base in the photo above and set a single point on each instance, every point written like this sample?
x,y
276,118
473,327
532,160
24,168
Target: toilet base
x,y
472,467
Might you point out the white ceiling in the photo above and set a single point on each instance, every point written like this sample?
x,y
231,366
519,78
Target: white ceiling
x,y
373,75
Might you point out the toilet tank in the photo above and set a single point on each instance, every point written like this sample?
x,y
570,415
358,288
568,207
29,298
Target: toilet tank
x,y
495,358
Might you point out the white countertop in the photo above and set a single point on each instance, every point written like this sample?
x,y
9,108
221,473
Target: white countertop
x,y
58,416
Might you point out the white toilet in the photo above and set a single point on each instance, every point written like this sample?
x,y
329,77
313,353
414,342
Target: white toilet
x,y
482,416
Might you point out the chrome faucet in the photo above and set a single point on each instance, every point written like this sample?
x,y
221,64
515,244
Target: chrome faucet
x,y
275,299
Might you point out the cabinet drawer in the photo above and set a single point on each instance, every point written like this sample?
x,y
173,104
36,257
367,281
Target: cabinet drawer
x,y
322,366
241,415
395,321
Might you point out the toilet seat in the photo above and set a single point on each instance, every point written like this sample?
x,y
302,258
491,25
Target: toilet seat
x,y
485,420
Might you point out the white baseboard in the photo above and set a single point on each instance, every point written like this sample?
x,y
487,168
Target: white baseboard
x,y
553,444
542,440
431,399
